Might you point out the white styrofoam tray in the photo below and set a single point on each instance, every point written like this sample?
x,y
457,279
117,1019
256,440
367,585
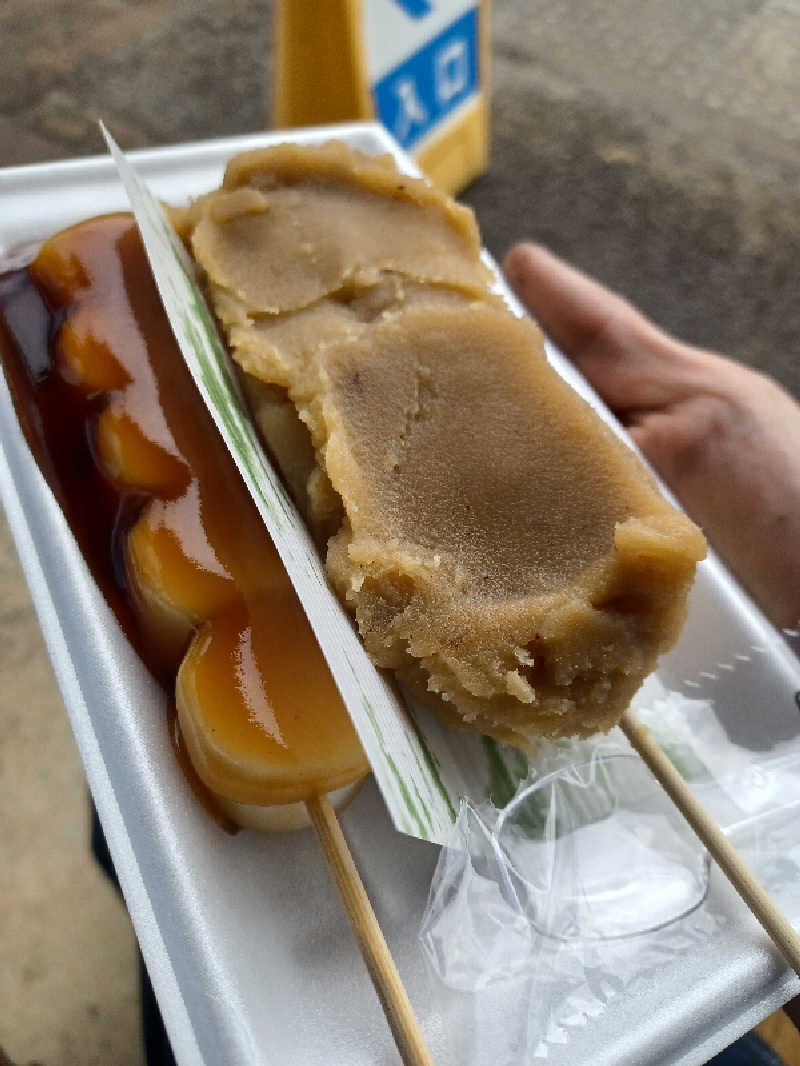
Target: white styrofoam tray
x,y
244,937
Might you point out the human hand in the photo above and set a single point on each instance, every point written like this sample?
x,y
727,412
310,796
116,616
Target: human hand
x,y
723,437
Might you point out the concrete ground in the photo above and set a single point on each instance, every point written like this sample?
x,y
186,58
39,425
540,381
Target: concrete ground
x,y
657,145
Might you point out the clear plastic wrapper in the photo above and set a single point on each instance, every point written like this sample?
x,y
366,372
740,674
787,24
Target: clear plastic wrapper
x,y
589,882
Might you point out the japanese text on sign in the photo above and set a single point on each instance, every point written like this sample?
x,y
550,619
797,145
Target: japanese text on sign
x,y
422,90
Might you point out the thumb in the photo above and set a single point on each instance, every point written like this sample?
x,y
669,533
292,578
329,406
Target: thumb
x,y
631,363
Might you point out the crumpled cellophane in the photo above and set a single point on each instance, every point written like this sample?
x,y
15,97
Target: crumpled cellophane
x,y
589,882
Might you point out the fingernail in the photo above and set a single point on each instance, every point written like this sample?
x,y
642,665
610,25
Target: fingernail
x,y
516,265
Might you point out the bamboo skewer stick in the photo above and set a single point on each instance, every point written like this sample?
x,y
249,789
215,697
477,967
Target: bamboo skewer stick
x,y
374,949
720,848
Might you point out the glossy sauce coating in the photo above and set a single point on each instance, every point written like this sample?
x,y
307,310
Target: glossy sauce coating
x,y
166,524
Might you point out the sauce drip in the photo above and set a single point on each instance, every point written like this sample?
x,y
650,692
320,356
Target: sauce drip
x,y
55,415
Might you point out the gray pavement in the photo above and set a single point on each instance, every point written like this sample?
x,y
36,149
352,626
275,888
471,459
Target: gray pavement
x,y
658,146
655,144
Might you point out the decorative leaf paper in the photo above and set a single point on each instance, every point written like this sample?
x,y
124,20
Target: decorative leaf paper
x,y
423,769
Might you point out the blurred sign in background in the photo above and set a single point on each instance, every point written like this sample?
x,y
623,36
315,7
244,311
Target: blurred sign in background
x,y
419,66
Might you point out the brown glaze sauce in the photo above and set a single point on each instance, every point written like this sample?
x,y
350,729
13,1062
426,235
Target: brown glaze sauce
x,y
58,413
159,511
54,415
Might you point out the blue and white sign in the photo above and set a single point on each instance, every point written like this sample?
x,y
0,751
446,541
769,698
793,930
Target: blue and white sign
x,y
422,60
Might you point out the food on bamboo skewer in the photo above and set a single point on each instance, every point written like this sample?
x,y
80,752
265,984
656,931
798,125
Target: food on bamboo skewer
x,y
179,549
500,549
183,545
